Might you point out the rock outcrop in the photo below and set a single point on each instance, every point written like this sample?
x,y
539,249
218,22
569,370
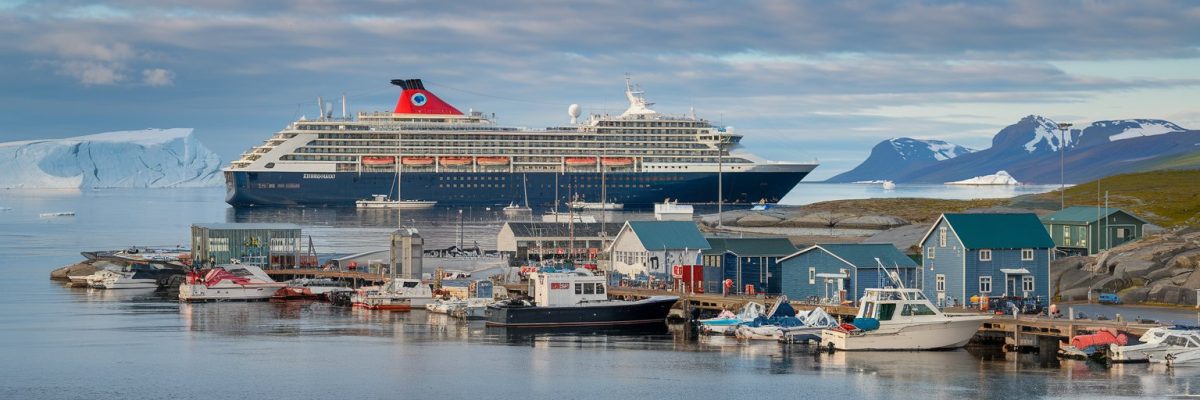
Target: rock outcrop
x,y
1156,269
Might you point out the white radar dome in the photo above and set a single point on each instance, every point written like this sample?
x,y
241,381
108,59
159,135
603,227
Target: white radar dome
x,y
573,111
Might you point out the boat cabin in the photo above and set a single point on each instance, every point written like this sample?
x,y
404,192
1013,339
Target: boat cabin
x,y
565,289
886,304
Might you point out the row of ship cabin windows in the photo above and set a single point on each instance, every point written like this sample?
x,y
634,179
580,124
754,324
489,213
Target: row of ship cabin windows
x,y
589,288
985,283
984,254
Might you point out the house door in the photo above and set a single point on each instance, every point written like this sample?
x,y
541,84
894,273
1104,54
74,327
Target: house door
x,y
1011,288
940,286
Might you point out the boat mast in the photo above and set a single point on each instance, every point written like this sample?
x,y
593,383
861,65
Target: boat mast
x,y
399,166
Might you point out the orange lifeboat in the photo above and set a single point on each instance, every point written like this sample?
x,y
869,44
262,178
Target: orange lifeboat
x,y
378,160
417,161
455,161
492,161
617,161
580,161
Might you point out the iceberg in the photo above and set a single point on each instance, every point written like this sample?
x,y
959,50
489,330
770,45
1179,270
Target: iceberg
x,y
150,158
998,178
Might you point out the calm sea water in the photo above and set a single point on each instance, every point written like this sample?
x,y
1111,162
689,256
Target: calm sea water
x,y
57,342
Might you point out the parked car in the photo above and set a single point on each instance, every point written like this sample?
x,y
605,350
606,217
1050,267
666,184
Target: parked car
x,y
1109,298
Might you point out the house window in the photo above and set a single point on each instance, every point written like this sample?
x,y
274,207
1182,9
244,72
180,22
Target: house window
x,y
941,237
1026,254
929,252
812,275
1067,235
985,284
941,282
1027,283
1120,233
985,255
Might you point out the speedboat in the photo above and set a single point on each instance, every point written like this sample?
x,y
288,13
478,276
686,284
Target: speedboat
x,y
395,295
472,309
576,299
134,276
726,322
813,322
1156,344
903,319
229,282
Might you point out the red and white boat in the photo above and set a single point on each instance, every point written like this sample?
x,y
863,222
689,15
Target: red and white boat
x,y
229,282
395,295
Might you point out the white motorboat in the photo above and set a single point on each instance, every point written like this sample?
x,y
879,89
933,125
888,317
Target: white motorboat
x,y
381,201
311,288
671,211
472,309
814,322
1155,345
903,319
726,322
782,323
229,282
134,276
396,295
444,306
591,206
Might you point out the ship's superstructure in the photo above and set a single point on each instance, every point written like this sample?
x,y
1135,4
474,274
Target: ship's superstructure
x,y
641,156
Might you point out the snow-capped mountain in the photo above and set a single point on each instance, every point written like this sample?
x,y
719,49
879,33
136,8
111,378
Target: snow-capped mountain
x,y
1030,151
145,158
906,152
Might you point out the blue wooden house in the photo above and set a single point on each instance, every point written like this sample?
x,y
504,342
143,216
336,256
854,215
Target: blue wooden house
x,y
839,273
964,255
744,261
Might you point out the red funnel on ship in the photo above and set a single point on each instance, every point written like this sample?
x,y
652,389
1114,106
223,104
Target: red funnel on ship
x,y
414,99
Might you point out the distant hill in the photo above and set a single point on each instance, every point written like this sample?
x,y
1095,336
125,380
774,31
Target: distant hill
x,y
909,152
1168,198
1029,151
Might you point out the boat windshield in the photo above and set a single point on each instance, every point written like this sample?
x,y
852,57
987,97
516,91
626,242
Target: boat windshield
x,y
916,309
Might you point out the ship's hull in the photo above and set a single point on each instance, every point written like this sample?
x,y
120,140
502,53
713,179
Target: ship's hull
x,y
639,189
649,311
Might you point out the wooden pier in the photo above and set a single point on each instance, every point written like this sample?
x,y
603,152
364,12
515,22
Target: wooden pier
x,y
707,301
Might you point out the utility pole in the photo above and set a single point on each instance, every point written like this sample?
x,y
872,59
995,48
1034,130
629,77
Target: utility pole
x,y
1062,164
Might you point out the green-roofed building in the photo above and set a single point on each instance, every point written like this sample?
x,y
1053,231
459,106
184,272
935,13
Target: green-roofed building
x,y
648,249
965,255
1077,230
744,262
838,273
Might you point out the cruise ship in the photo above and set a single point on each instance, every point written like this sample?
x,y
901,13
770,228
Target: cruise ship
x,y
441,154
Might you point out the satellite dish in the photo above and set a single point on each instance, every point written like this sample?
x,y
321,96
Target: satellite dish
x,y
573,111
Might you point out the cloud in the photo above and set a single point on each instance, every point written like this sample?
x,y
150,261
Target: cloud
x,y
91,73
158,77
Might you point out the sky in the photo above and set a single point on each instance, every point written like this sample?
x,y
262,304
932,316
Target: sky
x,y
801,80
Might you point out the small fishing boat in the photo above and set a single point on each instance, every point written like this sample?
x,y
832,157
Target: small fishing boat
x,y
576,299
57,214
726,322
783,320
229,282
1092,345
311,288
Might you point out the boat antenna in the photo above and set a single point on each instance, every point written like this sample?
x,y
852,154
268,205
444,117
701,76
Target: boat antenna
x,y
343,106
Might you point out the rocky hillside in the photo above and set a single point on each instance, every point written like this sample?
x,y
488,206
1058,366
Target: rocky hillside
x,y
1159,269
907,152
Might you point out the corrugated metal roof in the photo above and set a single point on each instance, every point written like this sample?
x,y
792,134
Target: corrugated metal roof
x,y
669,235
255,225
561,229
863,255
1000,231
1085,214
766,246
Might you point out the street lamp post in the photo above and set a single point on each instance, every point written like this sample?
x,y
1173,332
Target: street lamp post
x,y
720,181
1062,163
